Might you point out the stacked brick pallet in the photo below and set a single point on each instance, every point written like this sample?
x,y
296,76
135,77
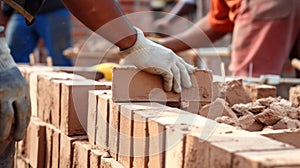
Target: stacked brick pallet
x,y
131,126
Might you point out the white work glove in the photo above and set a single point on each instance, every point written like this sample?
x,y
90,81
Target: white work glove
x,y
156,59
15,108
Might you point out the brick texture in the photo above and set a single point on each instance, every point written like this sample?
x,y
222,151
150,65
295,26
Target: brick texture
x,y
131,84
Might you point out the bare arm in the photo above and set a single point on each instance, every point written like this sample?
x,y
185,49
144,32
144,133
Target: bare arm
x,y
199,35
95,14
181,8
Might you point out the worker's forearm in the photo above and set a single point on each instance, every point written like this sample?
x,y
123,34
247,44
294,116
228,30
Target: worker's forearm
x,y
105,18
181,8
200,35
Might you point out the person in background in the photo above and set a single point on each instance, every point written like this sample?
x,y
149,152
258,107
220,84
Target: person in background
x,y
52,25
106,19
265,32
182,7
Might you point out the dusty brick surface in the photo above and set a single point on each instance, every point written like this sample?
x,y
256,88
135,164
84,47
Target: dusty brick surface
x,y
217,108
257,91
35,138
47,97
74,105
66,149
114,128
267,159
81,154
48,149
235,93
294,95
93,113
291,137
221,142
110,163
102,120
131,84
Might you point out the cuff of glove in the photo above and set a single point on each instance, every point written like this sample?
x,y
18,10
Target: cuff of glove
x,y
141,42
6,61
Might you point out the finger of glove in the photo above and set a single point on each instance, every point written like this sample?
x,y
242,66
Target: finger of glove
x,y
189,67
23,113
168,80
176,79
6,119
185,77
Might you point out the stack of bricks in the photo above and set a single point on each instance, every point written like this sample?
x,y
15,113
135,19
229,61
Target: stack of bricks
x,y
137,129
78,122
56,135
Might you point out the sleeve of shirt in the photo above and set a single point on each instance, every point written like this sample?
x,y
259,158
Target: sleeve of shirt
x,y
218,16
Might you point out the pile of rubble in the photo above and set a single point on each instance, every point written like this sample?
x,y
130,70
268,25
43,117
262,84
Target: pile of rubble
x,y
235,107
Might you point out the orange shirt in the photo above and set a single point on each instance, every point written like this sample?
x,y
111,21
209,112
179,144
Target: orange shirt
x,y
222,14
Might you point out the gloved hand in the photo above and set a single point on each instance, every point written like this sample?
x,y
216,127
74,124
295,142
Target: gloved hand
x,y
156,59
15,108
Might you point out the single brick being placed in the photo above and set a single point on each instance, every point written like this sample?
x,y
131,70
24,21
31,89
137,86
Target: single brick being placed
x,y
132,84
67,148
74,105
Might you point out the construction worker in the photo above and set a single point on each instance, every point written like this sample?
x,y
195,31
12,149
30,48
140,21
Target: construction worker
x,y
264,33
143,53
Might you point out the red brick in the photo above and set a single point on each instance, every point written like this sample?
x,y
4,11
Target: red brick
x,y
167,137
52,152
218,142
294,93
92,114
66,149
267,159
95,158
102,120
236,93
48,149
125,139
74,105
131,84
133,139
81,154
48,94
56,147
36,143
257,91
56,92
110,163
21,162
114,128
288,136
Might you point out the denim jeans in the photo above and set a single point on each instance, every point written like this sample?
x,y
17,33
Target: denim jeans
x,y
54,28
